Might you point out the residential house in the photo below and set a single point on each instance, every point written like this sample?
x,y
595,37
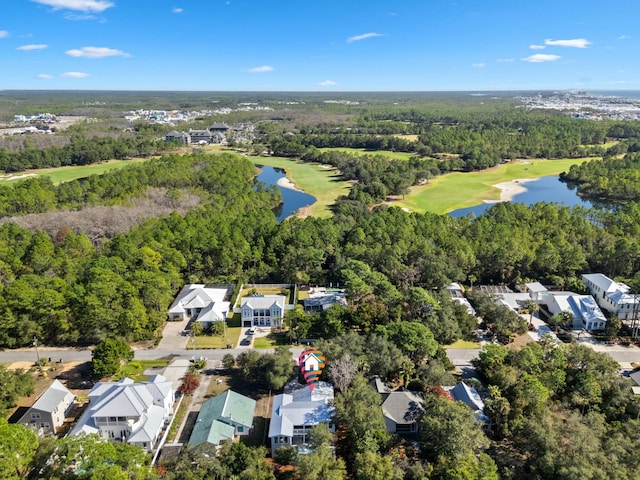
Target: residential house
x,y
223,417
180,137
263,310
135,413
535,290
468,395
401,409
201,304
321,299
613,297
457,295
49,411
296,411
205,136
586,313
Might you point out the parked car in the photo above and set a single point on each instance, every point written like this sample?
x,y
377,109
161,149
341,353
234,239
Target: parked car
x,y
246,341
251,331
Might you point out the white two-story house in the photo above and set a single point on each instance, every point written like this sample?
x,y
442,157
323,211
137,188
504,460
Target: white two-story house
x,y
613,297
124,411
263,310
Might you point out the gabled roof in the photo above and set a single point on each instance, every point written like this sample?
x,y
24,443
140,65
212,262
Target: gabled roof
x,y
469,395
535,287
214,433
266,301
302,407
196,295
584,307
403,407
52,397
601,281
125,398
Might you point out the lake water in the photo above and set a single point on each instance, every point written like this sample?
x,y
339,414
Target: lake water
x,y
545,189
292,200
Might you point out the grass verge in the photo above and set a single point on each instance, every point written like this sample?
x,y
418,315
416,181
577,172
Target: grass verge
x,y
216,341
135,369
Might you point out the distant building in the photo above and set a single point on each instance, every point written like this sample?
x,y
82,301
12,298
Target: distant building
x,y
613,297
50,409
462,392
457,295
401,409
219,127
180,137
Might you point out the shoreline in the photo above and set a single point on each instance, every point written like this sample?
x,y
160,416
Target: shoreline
x,y
284,182
508,190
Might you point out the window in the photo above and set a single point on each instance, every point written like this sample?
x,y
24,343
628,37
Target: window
x,y
240,429
112,419
35,415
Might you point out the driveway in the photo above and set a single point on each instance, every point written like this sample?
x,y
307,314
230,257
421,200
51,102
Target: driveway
x,y
174,336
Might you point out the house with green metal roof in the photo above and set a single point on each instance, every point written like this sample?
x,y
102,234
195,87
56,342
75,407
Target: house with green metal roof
x,y
222,417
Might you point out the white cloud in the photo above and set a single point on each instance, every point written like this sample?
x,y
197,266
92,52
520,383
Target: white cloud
x,y
327,83
624,37
4,33
177,10
364,36
79,17
96,52
262,69
39,46
81,5
575,43
478,65
44,76
537,47
505,60
75,75
541,57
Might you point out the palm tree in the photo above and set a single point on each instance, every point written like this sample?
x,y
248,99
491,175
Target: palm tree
x,y
532,307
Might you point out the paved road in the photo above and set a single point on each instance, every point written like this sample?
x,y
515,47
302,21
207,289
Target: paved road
x,y
79,355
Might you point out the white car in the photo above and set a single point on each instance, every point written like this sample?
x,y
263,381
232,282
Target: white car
x,y
251,331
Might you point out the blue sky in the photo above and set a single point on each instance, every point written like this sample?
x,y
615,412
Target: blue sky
x,y
313,45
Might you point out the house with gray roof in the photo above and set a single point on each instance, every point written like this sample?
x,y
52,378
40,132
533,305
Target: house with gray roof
x,y
222,417
135,413
322,298
263,310
180,137
294,414
49,411
613,297
402,410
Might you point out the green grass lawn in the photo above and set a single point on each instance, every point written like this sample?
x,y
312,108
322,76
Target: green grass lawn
x,y
323,182
216,341
135,369
272,340
362,151
267,291
459,190
66,174
463,344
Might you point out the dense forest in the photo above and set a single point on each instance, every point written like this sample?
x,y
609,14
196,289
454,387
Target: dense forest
x,y
556,411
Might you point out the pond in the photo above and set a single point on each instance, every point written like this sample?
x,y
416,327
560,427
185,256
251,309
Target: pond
x,y
544,189
292,200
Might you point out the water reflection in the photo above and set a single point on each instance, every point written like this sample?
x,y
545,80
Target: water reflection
x,y
292,200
